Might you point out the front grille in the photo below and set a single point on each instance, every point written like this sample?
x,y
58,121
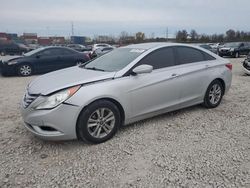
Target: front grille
x,y
28,99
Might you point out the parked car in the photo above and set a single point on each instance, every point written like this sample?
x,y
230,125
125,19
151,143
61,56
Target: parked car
x,y
246,65
97,46
12,48
43,60
101,51
90,102
77,47
234,49
208,47
101,45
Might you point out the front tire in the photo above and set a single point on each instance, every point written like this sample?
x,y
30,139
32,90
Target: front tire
x,y
24,70
98,122
213,94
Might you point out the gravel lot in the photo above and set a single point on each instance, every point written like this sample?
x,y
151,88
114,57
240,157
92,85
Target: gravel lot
x,y
193,147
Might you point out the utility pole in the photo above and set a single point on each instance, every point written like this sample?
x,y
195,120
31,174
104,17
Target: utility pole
x,y
167,34
72,28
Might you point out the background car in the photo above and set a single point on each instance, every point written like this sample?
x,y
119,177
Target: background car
x,y
43,60
126,85
208,47
100,45
12,48
246,65
234,49
101,51
77,47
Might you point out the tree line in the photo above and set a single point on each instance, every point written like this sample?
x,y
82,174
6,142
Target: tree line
x,y
230,36
184,36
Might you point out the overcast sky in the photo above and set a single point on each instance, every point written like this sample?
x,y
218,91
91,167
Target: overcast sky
x,y
110,17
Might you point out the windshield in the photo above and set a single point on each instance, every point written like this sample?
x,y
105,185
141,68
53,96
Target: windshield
x,y
114,60
33,52
232,44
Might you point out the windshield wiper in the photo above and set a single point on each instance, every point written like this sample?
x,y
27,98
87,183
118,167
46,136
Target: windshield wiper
x,y
94,68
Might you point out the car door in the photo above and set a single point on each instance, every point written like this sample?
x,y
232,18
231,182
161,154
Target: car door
x,y
67,58
245,48
155,91
45,60
193,72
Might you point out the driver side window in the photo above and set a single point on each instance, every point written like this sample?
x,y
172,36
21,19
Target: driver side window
x,y
45,53
160,58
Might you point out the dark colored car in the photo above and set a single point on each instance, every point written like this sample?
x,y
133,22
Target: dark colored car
x,y
234,49
12,48
208,47
43,60
77,47
246,65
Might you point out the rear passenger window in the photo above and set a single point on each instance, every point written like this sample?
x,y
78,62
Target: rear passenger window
x,y
160,58
188,55
208,57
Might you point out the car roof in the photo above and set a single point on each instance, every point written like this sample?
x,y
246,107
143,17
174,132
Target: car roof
x,y
57,47
151,45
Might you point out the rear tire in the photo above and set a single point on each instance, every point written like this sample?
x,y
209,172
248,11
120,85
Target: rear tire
x,y
98,122
213,94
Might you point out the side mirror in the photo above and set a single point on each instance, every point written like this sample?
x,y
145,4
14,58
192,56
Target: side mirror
x,y
142,69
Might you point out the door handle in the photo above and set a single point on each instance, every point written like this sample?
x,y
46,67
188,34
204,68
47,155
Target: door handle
x,y
207,66
174,75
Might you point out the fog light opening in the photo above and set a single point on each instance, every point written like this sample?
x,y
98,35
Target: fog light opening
x,y
47,128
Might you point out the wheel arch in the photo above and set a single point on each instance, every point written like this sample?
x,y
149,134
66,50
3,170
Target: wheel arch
x,y
222,82
24,63
118,104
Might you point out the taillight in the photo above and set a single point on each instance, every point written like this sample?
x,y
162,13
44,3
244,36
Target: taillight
x,y
230,66
87,56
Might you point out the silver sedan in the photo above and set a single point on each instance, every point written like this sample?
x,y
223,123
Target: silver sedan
x,y
91,101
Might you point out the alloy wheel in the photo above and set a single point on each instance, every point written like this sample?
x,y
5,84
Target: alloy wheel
x,y
101,122
25,70
215,94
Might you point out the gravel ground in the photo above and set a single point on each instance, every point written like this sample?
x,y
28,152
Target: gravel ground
x,y
193,147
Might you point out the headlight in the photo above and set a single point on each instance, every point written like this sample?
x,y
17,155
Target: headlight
x,y
12,63
57,98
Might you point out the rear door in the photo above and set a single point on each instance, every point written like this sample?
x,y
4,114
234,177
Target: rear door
x,y
194,66
67,58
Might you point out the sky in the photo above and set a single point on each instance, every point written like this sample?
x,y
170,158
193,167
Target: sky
x,y
111,17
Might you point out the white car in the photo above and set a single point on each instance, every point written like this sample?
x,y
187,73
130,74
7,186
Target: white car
x,y
101,45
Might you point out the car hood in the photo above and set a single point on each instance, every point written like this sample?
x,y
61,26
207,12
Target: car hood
x,y
10,58
225,48
54,81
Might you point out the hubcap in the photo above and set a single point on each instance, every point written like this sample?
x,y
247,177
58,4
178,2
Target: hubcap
x,y
25,70
101,122
215,94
